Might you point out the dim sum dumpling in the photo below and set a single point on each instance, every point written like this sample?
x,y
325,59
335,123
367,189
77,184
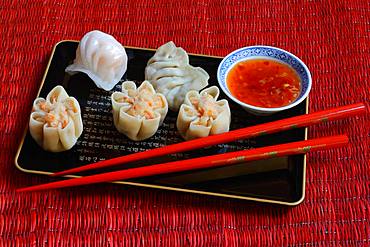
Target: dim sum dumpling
x,y
138,112
202,115
102,58
170,53
55,122
171,74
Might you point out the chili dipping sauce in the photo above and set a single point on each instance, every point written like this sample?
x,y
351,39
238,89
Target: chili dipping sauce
x,y
264,83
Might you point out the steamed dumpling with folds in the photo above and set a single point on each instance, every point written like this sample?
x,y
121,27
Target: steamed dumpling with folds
x,y
202,115
138,112
169,54
171,74
102,58
55,122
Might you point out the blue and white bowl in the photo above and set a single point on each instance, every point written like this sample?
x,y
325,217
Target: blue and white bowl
x,y
253,52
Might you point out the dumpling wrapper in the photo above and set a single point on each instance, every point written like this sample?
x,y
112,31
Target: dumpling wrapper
x,y
102,58
202,115
55,122
171,74
138,112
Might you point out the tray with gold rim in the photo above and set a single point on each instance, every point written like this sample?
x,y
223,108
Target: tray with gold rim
x,y
276,180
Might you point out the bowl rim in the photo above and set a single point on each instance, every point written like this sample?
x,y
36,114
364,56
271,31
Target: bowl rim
x,y
257,108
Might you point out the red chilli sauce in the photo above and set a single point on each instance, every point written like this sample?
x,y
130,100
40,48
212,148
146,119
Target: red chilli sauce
x,y
264,83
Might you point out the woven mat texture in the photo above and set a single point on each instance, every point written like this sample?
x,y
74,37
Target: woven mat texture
x,y
331,36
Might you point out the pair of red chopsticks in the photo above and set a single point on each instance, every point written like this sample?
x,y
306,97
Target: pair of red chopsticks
x,y
214,160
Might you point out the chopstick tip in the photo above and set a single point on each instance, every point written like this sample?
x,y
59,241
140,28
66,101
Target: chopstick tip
x,y
21,190
30,188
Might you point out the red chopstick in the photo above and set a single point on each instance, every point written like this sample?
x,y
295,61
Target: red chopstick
x,y
248,132
202,162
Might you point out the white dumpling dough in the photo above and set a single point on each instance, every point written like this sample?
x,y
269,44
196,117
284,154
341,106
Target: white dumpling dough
x,y
138,112
171,74
102,58
55,122
202,115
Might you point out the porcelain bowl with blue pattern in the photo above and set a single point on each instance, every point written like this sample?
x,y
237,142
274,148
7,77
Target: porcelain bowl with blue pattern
x,y
264,52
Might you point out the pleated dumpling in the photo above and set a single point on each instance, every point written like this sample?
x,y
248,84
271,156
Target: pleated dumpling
x,y
102,58
171,74
202,115
55,122
138,112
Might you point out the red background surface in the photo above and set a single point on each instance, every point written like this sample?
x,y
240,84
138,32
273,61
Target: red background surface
x,y
332,37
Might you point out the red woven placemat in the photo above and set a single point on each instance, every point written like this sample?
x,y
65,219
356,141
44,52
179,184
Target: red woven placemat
x,y
332,37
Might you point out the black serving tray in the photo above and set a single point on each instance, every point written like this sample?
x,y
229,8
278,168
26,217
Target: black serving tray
x,y
277,180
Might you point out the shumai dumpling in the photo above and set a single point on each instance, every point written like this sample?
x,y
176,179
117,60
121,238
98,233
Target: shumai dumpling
x,y
202,115
55,122
102,58
171,74
138,112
